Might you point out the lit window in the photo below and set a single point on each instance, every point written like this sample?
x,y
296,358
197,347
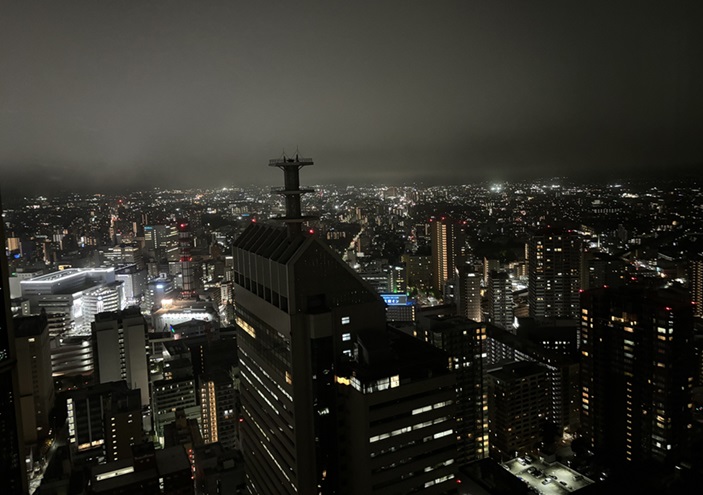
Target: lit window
x,y
346,337
346,320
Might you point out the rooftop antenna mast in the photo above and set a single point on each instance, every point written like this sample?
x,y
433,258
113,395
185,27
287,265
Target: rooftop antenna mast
x,y
292,191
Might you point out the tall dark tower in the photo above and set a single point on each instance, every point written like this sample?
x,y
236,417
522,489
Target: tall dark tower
x,y
12,467
637,372
554,258
185,243
448,250
292,191
333,402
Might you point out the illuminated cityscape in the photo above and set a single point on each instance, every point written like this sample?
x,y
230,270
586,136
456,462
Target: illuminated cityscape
x,y
344,249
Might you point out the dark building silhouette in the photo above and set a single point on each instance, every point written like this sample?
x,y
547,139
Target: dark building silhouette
x,y
500,299
695,275
448,250
554,261
219,411
637,372
12,467
185,244
518,401
467,293
144,472
600,269
465,341
562,372
305,317
36,386
104,421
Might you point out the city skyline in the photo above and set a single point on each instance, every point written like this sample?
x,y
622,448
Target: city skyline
x,y
177,95
344,365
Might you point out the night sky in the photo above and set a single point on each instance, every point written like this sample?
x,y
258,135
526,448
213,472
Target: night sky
x,y
104,94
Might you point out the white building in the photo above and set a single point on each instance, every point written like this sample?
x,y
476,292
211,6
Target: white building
x,y
77,293
120,349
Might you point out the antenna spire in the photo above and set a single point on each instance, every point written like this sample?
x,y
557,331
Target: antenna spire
x,y
292,191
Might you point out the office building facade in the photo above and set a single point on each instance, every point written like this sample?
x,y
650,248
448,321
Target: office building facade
x,y
120,349
12,468
300,310
36,385
464,340
518,398
554,262
637,369
448,250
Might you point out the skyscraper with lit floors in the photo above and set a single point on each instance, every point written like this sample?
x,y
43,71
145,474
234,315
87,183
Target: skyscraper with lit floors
x,y
554,263
637,372
448,250
301,312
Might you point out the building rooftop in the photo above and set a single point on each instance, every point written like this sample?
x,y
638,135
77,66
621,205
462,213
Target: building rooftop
x,y
270,242
394,353
445,323
526,346
30,326
515,371
119,387
567,480
67,273
171,460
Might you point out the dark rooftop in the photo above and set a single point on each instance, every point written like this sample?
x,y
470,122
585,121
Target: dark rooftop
x,y
30,326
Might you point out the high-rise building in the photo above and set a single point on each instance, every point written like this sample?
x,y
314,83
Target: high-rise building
x,y
120,349
637,368
177,389
448,250
157,237
124,254
157,290
464,341
396,418
562,373
36,392
489,265
554,259
301,311
518,398
696,285
185,244
468,293
78,293
219,412
500,299
12,468
104,421
558,336
134,285
418,271
600,269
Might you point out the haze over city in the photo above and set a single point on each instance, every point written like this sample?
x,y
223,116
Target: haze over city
x,y
489,283
126,94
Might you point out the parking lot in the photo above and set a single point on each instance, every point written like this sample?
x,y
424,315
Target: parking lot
x,y
535,473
